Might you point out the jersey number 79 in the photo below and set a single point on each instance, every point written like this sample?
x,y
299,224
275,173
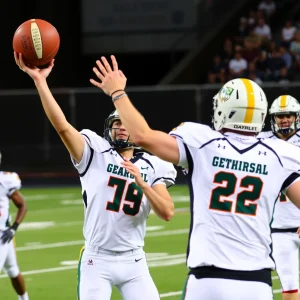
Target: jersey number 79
x,y
133,194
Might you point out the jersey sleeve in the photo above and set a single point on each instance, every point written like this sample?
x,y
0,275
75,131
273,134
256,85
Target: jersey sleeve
x,y
289,155
165,173
192,135
93,143
13,183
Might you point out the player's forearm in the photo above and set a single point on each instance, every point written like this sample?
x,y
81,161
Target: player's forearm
x,y
22,210
162,207
51,108
133,121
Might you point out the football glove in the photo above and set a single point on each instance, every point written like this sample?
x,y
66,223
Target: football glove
x,y
9,233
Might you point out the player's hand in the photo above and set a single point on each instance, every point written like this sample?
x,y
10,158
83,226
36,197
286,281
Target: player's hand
x,y
298,232
7,235
34,72
111,79
133,170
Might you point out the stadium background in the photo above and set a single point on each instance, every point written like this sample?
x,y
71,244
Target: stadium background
x,y
166,62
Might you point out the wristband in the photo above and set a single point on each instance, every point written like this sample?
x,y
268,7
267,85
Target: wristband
x,y
116,92
15,226
118,97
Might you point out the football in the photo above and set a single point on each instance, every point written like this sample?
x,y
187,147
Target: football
x,y
37,40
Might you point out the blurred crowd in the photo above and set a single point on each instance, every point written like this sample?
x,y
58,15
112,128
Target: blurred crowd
x,y
258,53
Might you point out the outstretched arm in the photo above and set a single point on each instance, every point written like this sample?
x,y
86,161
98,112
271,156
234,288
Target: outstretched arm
x,y
157,142
72,139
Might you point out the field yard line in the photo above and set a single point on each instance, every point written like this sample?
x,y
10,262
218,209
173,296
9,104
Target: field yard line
x,y
52,245
44,271
166,295
81,242
169,262
40,197
167,232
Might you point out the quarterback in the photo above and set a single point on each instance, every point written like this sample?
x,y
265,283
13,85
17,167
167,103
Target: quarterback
x,y
234,181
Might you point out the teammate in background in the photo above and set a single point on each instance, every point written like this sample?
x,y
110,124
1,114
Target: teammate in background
x,y
120,185
10,185
285,118
235,180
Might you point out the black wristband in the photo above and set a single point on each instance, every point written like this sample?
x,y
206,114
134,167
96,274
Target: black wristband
x,y
116,92
15,226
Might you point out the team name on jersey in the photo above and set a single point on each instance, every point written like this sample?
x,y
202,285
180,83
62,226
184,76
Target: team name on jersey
x,y
243,166
111,168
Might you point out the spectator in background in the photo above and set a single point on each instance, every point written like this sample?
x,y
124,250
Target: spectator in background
x,y
268,7
295,46
263,30
237,66
271,48
276,67
250,51
243,30
252,20
254,73
295,51
252,76
217,71
262,63
287,34
227,51
286,56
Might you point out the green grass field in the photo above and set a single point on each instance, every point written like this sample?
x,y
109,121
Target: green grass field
x,y
50,238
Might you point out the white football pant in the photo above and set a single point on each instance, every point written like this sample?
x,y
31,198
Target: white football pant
x,y
286,255
225,289
100,270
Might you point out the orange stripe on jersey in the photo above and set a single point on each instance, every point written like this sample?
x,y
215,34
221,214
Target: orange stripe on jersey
x,y
283,101
251,101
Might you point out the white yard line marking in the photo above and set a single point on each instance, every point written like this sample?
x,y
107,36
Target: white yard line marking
x,y
170,261
40,197
170,294
32,272
81,242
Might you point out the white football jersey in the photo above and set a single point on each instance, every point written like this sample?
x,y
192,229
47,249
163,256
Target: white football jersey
x,y
9,183
234,183
286,214
116,209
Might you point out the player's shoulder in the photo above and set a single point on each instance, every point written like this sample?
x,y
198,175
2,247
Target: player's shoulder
x,y
195,134
95,141
265,135
295,138
156,162
9,177
288,153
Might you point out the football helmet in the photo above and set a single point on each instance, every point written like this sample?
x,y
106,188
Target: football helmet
x,y
108,132
285,104
241,104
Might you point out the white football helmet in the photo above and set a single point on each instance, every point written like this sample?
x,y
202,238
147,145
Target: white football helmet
x,y
285,104
241,104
